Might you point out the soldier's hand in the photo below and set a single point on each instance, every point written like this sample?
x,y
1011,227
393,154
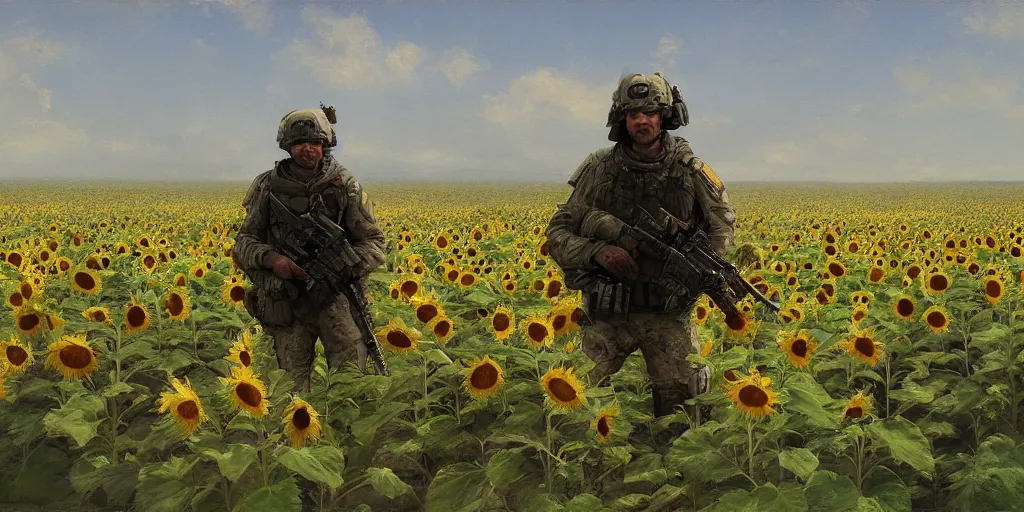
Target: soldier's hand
x,y
617,261
629,244
285,268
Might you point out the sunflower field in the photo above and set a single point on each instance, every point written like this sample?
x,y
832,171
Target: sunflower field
x,y
132,378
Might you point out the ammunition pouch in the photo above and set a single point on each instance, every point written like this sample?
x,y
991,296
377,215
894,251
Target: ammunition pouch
x,y
271,299
604,298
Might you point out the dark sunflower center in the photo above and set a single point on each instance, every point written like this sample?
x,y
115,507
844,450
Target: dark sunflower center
x,y
175,305
993,289
753,396
604,426
484,377
554,288
936,319
248,394
500,322
237,293
442,328
301,419
28,322
558,322
399,339
536,332
99,316
410,288
188,410
735,321
136,316
245,358
75,357
16,355
562,390
905,307
938,283
800,348
855,412
426,312
865,346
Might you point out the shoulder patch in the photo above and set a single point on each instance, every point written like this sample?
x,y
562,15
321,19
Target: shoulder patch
x,y
707,175
710,175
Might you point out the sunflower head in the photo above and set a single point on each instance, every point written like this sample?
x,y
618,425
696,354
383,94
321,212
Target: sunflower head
x,y
563,388
935,283
798,346
178,304
538,330
14,356
85,281
233,293
184,406
398,337
29,319
862,346
97,314
240,351
936,318
483,377
72,356
136,318
603,423
994,289
426,307
858,407
301,423
502,322
247,391
753,394
441,327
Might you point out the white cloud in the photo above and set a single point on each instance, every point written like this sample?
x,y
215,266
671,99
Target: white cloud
x,y
547,92
668,47
960,84
458,65
1004,22
348,54
255,14
34,139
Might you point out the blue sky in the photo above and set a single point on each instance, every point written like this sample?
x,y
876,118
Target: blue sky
x,y
851,91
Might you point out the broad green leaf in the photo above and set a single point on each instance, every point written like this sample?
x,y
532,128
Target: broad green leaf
x,y
165,486
648,468
116,389
366,428
282,496
698,459
585,503
736,500
788,498
800,461
827,491
386,483
457,487
888,490
666,497
808,398
505,467
76,419
869,505
235,461
905,441
323,464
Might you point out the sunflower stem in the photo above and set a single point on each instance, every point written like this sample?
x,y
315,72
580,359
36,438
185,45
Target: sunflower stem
x,y
860,463
547,460
426,406
888,383
750,450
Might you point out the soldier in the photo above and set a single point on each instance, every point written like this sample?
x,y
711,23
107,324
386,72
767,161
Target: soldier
x,y
293,317
650,168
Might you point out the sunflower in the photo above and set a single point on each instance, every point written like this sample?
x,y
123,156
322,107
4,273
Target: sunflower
x,y
737,324
184,405
859,313
936,283
408,286
483,377
798,347
15,259
441,241
753,395
178,304
15,357
72,356
180,280
602,424
862,345
701,311
136,318
563,388
97,314
937,318
467,279
538,330
553,286
233,293
247,390
197,270
442,328
994,289
858,407
240,351
28,319
301,423
502,322
62,265
509,286
426,308
398,337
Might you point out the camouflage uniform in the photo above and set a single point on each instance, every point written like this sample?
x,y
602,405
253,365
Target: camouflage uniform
x,y
293,317
607,186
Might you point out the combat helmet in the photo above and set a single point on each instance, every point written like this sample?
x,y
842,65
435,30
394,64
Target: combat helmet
x,y
645,93
307,125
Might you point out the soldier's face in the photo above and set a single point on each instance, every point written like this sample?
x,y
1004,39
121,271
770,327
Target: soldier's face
x,y
307,154
643,127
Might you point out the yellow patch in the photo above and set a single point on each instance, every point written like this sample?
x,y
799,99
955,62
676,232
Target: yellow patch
x,y
366,199
706,169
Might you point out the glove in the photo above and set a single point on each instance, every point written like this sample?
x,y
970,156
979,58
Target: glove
x,y
616,260
284,267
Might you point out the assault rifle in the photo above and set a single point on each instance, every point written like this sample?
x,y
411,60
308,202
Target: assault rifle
x,y
690,265
325,254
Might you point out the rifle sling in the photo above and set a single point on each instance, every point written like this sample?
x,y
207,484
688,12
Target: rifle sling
x,y
287,213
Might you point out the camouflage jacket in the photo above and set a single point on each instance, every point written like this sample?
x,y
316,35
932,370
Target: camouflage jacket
x,y
346,202
612,181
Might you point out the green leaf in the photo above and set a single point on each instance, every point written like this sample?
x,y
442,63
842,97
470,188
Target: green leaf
x,y
76,419
695,457
164,486
585,503
457,488
665,497
888,490
905,441
788,498
827,491
737,500
366,428
116,388
648,468
808,398
386,483
800,461
505,467
869,505
322,464
280,497
235,461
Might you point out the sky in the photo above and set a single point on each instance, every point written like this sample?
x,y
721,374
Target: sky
x,y
854,91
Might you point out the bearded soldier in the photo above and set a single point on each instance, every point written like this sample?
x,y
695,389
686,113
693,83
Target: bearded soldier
x,y
291,315
649,168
